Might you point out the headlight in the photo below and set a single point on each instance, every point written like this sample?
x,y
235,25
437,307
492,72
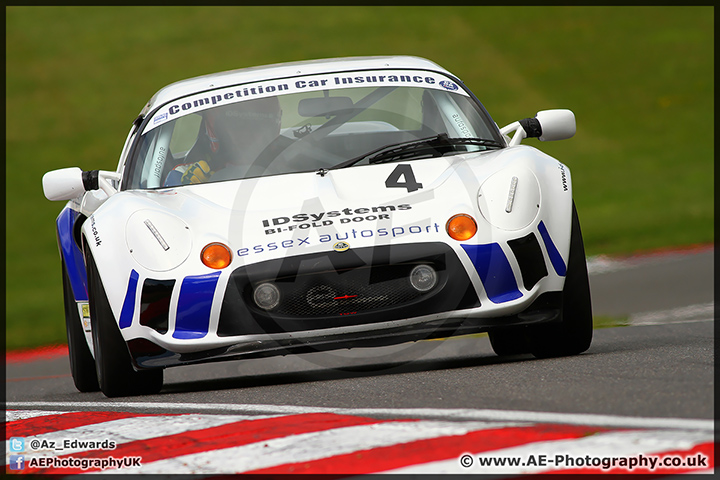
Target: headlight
x,y
423,278
266,296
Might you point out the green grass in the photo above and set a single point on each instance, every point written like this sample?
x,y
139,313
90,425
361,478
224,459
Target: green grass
x,y
639,79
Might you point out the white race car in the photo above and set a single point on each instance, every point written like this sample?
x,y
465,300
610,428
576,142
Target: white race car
x,y
312,206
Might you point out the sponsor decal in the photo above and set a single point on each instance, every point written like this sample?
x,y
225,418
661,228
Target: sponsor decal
x,y
85,307
304,221
160,118
462,126
394,232
160,162
341,246
238,93
563,176
372,79
448,85
95,231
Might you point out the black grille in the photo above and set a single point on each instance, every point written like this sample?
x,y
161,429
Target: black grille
x,y
155,304
530,258
343,293
355,287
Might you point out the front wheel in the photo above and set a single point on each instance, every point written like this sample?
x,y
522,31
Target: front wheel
x,y
115,372
573,334
509,341
82,364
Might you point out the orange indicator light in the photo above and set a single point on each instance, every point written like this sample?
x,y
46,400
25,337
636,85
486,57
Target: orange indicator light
x,y
216,255
461,227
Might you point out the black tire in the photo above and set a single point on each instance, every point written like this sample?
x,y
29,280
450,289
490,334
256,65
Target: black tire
x,y
116,375
82,364
573,334
509,341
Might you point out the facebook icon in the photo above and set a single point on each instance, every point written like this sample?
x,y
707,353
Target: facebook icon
x,y
17,444
17,462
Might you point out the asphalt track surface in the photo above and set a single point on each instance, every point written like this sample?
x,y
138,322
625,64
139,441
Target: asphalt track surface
x,y
662,365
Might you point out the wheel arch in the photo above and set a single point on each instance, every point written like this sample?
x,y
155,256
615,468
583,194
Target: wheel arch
x,y
68,225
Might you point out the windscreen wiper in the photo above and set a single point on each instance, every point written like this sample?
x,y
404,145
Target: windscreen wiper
x,y
437,145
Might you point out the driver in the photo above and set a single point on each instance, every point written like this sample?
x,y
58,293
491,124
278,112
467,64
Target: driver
x,y
233,138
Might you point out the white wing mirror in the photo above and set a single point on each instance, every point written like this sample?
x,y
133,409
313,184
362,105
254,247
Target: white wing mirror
x,y
548,125
556,124
69,183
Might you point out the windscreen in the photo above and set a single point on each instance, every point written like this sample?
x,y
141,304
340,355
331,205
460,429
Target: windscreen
x,y
300,125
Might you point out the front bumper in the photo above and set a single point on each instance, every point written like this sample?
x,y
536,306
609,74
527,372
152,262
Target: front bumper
x,y
545,309
331,300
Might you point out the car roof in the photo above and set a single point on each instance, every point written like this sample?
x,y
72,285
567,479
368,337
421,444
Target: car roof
x,y
281,70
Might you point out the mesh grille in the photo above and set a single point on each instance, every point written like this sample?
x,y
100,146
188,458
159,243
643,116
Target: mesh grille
x,y
346,292
338,289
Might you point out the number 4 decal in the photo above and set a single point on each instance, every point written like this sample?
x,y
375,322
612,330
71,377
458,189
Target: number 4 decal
x,y
403,171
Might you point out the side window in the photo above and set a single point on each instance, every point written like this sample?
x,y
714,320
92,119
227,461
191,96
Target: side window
x,y
164,147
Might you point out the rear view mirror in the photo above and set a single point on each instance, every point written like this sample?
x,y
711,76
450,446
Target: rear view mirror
x,y
323,106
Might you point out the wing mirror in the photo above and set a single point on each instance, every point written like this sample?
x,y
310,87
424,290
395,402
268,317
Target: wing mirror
x,y
547,125
69,183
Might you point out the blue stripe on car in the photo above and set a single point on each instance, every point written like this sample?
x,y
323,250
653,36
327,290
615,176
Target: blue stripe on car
x,y
128,308
555,258
194,305
71,254
495,272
